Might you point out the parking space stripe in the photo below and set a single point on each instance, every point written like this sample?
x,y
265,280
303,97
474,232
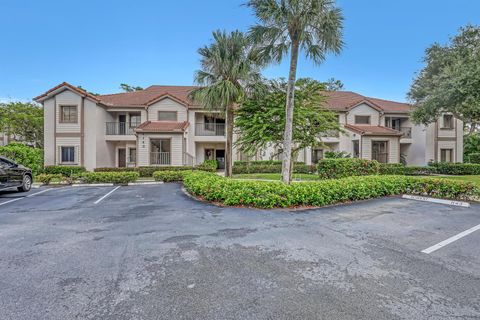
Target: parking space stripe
x,y
451,239
105,196
29,196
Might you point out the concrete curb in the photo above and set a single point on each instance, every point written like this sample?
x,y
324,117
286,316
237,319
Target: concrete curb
x,y
93,185
436,200
146,183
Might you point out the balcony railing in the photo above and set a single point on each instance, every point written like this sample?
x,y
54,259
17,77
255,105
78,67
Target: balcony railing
x,y
121,128
407,132
210,129
160,158
331,134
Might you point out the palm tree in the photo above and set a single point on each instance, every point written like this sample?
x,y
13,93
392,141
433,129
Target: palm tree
x,y
288,27
228,72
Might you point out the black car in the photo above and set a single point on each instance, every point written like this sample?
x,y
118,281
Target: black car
x,y
13,175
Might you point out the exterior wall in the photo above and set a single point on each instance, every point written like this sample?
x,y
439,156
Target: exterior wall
x,y
200,150
143,148
363,110
393,148
49,132
417,152
167,105
69,142
68,98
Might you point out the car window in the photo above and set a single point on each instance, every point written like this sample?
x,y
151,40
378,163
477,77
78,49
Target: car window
x,y
5,163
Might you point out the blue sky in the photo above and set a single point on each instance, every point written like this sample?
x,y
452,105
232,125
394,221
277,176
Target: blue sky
x,y
100,44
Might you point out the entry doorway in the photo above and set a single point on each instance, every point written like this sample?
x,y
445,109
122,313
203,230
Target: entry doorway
x,y
220,157
122,158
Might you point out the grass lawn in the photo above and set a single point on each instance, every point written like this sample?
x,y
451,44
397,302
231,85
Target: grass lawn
x,y
474,179
276,176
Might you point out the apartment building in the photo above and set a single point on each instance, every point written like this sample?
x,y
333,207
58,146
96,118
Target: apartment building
x,y
160,126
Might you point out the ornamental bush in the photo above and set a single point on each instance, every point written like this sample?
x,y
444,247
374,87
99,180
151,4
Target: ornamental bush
x,y
208,165
400,169
346,167
474,158
460,169
67,171
108,177
270,168
48,178
22,154
170,176
266,194
145,172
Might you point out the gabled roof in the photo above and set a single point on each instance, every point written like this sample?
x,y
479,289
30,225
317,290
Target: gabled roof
x,y
336,100
62,87
162,126
373,130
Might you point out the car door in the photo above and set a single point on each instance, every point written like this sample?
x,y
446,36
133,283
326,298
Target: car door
x,y
14,174
3,174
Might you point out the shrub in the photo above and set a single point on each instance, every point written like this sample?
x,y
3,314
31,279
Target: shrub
x,y
145,172
48,178
208,165
474,158
22,154
108,177
456,168
400,169
270,168
346,167
264,194
67,171
260,162
170,176
336,154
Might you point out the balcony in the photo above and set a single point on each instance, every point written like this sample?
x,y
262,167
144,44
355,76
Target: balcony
x,y
160,158
210,129
121,128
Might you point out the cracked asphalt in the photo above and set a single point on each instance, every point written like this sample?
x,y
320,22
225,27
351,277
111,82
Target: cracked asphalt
x,y
150,252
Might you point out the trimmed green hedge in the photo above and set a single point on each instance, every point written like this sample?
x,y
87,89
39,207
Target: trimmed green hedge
x,y
170,176
264,194
474,158
208,165
459,169
400,169
108,177
145,172
271,168
346,167
67,171
48,178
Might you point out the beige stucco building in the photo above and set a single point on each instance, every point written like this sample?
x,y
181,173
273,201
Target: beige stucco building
x,y
160,126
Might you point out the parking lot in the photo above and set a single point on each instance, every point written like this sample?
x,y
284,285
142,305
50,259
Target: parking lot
x,y
151,252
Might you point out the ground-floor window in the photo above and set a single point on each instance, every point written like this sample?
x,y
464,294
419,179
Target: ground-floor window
x,y
67,154
380,151
446,155
356,149
160,152
132,155
317,155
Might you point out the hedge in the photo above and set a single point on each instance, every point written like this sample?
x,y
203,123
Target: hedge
x,y
346,167
170,176
108,177
144,172
67,171
474,158
400,169
271,168
208,165
461,169
260,162
48,178
22,154
263,194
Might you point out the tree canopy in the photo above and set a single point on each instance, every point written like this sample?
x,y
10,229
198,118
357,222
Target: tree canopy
x,y
260,119
23,121
450,81
128,88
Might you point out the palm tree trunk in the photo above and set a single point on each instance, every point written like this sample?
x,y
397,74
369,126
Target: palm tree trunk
x,y
229,145
287,137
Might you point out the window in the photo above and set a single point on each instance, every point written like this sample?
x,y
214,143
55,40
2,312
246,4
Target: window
x,y
67,154
132,155
167,115
447,121
446,155
160,152
380,151
134,120
362,119
356,149
317,155
68,114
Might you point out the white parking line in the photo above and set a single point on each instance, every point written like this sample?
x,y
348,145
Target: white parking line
x,y
29,196
451,239
112,191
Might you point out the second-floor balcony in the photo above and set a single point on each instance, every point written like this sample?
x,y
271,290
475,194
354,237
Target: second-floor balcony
x,y
210,129
121,128
407,132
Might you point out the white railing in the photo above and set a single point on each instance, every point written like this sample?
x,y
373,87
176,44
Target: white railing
x,y
210,129
188,159
121,128
160,158
407,132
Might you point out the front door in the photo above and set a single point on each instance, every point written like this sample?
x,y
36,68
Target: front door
x,y
380,151
122,158
220,157
122,125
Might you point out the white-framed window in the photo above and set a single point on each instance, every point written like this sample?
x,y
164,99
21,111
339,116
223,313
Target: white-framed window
x,y
68,114
67,154
167,115
362,119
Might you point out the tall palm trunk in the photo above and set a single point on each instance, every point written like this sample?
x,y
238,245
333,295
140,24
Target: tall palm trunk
x,y
229,145
287,138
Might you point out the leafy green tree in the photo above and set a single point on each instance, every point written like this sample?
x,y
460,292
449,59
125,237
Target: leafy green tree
x,y
333,84
471,145
288,27
24,155
260,119
128,88
23,121
229,71
450,81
